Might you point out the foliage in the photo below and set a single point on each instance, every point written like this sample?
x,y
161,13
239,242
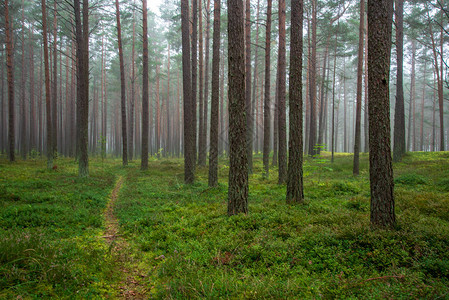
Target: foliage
x,y
51,224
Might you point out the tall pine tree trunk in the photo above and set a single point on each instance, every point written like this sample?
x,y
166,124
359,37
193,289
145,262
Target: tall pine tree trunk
x,y
47,86
282,154
201,97
358,118
238,160
312,82
194,66
380,14
248,108
295,190
189,137
122,87
145,125
213,156
399,114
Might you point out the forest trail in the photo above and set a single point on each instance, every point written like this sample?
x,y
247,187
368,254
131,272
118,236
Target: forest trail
x,y
133,284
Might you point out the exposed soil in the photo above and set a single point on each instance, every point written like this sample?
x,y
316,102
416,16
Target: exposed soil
x,y
134,284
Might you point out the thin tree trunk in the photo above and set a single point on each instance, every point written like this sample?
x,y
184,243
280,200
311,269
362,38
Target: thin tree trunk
x,y
322,117
312,82
82,34
47,88
366,144
168,144
213,156
333,94
194,66
122,86
201,98
133,94
295,187
254,103
2,98
266,110
412,98
358,118
158,113
421,147
54,97
23,119
221,135
282,154
144,160
248,108
189,137
206,72
399,114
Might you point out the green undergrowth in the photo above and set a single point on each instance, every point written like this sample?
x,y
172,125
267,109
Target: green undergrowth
x,y
50,223
181,237
323,248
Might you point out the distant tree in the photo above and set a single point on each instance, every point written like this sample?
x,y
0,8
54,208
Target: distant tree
x,y
122,86
10,74
399,114
312,82
282,130
54,92
47,82
295,193
194,75
380,13
238,165
202,151
213,156
358,125
144,160
82,55
189,138
266,111
23,110
248,108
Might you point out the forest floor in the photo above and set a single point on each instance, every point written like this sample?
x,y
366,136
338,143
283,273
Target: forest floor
x,y
126,233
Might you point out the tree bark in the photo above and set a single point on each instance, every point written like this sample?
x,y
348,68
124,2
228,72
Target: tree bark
x,y
82,53
194,75
358,118
23,119
312,83
133,94
238,160
10,75
122,87
399,114
54,96
295,190
248,108
202,151
189,137
206,72
144,160
412,98
213,154
381,171
47,87
282,151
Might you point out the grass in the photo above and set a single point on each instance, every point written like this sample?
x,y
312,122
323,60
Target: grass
x,y
180,235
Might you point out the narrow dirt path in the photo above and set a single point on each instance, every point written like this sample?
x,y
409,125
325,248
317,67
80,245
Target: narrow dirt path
x,y
134,284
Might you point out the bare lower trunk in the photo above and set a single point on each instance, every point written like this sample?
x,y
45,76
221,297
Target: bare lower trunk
x,y
266,111
238,161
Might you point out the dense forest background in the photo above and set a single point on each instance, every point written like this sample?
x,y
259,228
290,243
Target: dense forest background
x,y
160,153
331,38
